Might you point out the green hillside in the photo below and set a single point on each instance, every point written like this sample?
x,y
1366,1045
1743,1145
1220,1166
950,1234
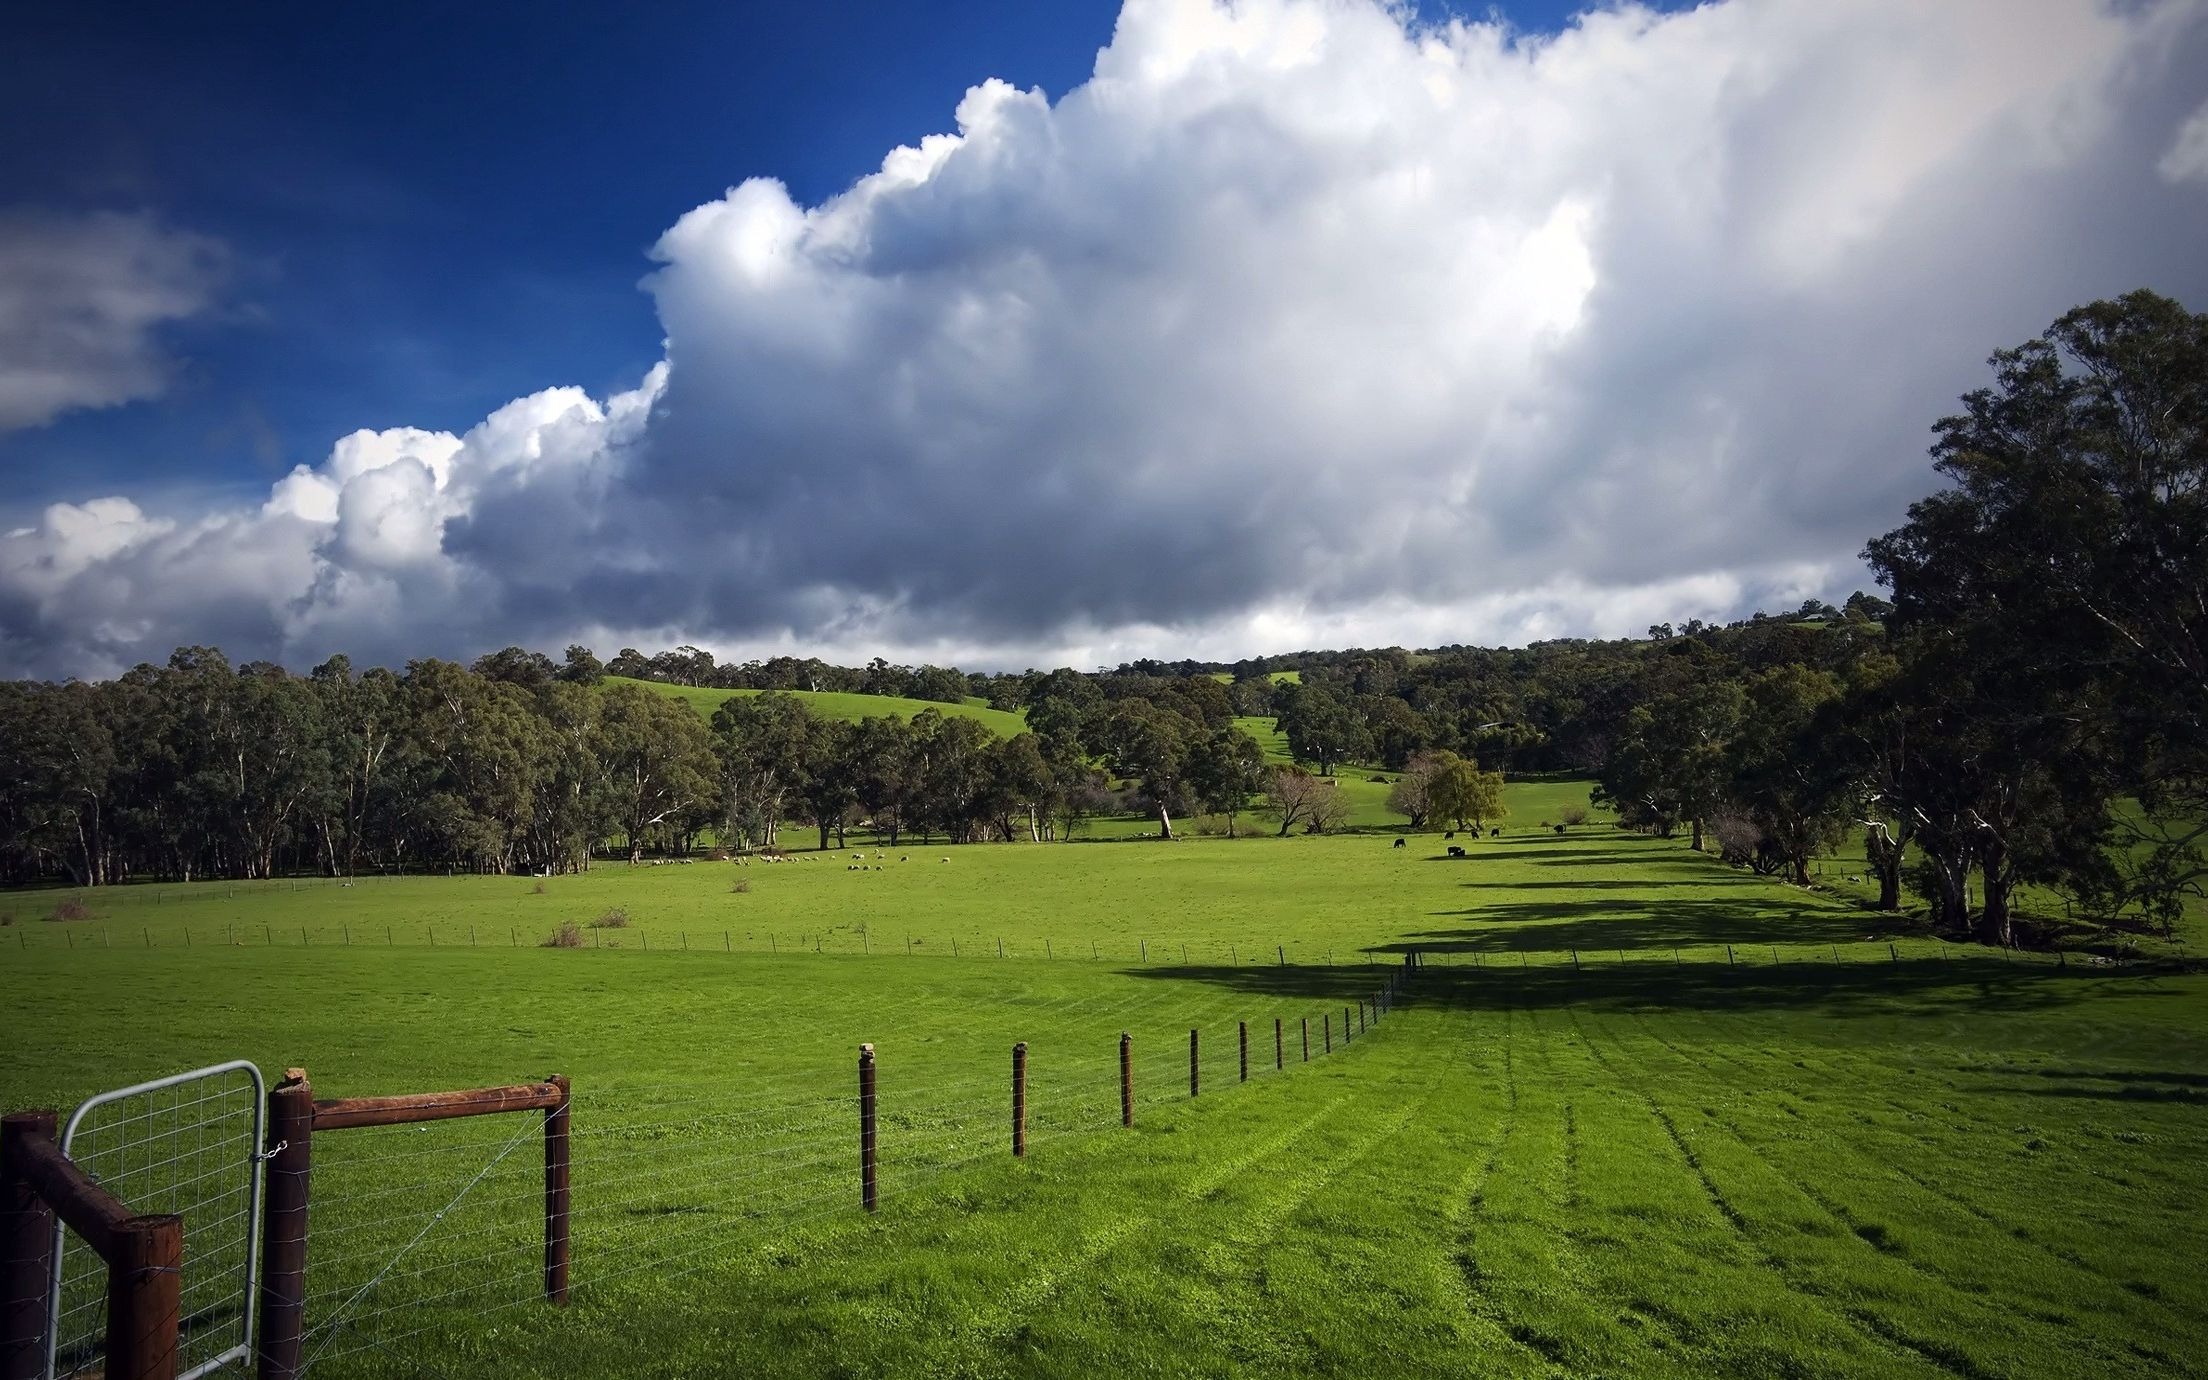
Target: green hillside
x,y
834,704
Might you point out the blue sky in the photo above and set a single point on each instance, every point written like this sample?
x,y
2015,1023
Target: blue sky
x,y
434,209
1279,324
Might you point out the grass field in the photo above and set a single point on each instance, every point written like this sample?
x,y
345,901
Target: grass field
x,y
1592,1140
837,704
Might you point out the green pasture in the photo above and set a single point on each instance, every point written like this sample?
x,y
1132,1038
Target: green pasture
x,y
1276,677
1638,1114
838,704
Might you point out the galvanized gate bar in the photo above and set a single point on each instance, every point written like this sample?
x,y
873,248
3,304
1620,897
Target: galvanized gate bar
x,y
251,1165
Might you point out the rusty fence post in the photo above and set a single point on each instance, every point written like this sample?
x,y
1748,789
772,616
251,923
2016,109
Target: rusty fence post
x,y
284,1193
145,1290
1279,1061
26,1253
1019,1099
869,1194
1126,1079
1242,1031
1192,1061
556,1200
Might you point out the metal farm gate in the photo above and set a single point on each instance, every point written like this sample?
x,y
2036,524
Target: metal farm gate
x,y
190,1145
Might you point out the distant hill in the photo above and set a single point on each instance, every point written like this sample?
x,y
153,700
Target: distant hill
x,y
833,704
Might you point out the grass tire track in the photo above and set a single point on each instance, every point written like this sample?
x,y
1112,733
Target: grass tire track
x,y
1459,1269
1897,1340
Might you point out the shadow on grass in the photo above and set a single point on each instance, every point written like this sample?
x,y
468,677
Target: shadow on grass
x,y
1935,988
1612,884
1489,851
2130,1092
2190,1080
1610,923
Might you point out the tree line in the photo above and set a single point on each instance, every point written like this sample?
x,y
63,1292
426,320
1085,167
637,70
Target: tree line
x,y
198,769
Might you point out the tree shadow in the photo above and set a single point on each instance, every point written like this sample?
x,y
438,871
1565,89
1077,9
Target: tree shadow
x,y
2189,1080
2126,1093
1607,923
1936,989
1486,851
1611,884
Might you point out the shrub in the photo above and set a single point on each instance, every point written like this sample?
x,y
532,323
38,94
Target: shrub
x,y
537,890
71,909
1574,815
615,919
740,885
568,936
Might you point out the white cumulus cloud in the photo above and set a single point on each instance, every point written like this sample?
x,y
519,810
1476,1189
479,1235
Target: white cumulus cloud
x,y
1299,323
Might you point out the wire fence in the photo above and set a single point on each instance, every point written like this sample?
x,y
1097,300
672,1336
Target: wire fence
x,y
428,1229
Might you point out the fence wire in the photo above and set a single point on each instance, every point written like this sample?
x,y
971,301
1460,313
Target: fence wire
x,y
432,1231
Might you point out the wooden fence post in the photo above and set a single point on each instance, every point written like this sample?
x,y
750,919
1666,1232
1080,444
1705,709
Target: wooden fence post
x,y
284,1190
1326,1028
1345,1025
145,1288
1242,1030
1307,1039
1192,1061
1019,1099
1279,1059
1126,1079
556,1193
869,1195
26,1253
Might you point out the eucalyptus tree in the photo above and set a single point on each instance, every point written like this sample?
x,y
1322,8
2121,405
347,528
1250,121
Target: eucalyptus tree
x,y
2056,597
1225,768
762,743
656,763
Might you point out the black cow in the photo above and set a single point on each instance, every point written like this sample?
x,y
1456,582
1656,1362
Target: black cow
x,y
1456,852
1496,833
1450,835
1400,843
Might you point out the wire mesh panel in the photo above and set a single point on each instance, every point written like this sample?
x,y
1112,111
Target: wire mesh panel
x,y
188,1145
420,1231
